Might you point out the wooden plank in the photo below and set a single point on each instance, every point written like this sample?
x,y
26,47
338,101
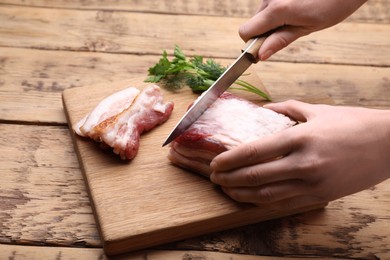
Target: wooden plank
x,y
18,252
347,85
31,81
38,253
44,202
140,33
42,193
374,11
352,227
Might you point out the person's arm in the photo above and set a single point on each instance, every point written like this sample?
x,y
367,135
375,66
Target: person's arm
x,y
335,152
292,19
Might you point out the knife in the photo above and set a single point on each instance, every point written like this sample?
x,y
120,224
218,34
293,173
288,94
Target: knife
x,y
231,74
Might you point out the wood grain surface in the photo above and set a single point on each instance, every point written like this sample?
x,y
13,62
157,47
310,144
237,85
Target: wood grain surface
x,y
131,33
39,253
44,197
47,46
374,11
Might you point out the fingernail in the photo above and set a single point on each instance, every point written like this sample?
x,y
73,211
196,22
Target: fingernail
x,y
266,55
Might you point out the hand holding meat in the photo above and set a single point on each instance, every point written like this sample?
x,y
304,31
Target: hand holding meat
x,y
293,19
335,152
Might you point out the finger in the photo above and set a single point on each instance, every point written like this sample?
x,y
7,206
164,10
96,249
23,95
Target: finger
x,y
267,20
264,149
269,193
258,174
262,22
296,110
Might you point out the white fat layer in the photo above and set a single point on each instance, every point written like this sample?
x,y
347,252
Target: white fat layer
x,y
79,124
108,107
235,121
149,99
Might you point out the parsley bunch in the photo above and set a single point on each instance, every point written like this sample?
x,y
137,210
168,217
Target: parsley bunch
x,y
196,73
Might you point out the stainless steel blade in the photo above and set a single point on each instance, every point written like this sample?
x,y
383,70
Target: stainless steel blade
x,y
232,73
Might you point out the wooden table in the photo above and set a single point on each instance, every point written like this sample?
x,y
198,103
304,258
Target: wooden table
x,y
48,46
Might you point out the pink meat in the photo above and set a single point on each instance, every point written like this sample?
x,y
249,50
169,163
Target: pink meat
x,y
122,130
229,122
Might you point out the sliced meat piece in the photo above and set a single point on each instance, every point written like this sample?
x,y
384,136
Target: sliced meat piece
x,y
121,129
108,107
227,123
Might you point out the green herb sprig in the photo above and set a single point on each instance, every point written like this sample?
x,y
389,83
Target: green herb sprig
x,y
194,72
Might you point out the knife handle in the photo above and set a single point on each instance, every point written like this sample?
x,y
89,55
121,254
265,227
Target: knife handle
x,y
252,47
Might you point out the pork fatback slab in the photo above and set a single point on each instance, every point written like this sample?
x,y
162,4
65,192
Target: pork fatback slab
x,y
227,123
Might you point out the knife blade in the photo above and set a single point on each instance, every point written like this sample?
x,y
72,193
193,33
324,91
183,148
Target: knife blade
x,y
231,74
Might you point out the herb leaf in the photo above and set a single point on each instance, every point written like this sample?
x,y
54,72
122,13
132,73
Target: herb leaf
x,y
196,73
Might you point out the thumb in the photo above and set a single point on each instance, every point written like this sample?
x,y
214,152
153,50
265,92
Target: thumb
x,y
297,110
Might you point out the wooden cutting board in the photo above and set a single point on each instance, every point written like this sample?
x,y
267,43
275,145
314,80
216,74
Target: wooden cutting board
x,y
149,201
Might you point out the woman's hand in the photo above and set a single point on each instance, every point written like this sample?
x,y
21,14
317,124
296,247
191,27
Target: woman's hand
x,y
334,152
292,19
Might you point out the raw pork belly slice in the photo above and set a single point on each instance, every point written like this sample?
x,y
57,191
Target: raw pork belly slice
x,y
227,123
120,119
108,107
